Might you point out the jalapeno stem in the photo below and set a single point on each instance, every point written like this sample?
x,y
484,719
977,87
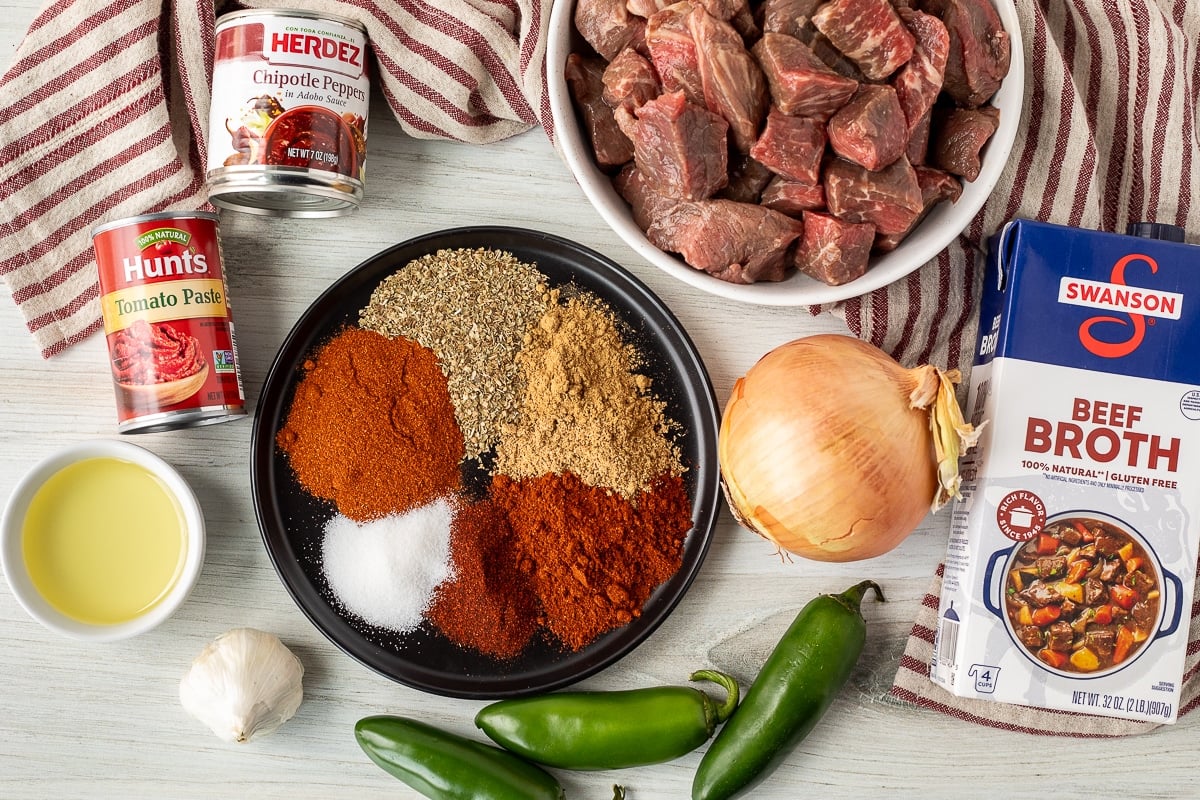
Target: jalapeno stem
x,y
618,792
718,714
852,597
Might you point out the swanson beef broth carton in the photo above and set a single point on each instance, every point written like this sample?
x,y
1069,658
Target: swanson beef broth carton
x,y
1072,557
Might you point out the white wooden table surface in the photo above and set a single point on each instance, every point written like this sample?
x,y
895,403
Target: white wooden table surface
x,y
80,720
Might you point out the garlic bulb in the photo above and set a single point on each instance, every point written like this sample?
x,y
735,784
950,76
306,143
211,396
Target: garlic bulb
x,y
245,683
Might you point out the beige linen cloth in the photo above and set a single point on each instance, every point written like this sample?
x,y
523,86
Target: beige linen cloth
x,y
104,109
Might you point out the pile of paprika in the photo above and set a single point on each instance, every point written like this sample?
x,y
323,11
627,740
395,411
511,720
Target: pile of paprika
x,y
371,426
554,552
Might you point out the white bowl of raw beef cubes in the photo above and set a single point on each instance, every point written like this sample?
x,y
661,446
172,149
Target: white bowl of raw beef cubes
x,y
788,152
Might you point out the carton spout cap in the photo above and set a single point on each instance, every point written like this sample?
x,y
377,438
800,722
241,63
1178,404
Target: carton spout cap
x,y
1155,230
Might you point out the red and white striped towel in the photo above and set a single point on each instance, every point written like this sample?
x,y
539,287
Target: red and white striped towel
x,y
104,111
104,90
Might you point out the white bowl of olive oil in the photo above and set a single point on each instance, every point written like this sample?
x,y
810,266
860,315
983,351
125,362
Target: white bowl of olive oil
x,y
102,540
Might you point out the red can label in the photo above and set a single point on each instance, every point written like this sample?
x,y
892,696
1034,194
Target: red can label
x,y
168,322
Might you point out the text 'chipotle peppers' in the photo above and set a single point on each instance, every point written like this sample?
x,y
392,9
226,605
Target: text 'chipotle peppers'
x,y
609,730
794,689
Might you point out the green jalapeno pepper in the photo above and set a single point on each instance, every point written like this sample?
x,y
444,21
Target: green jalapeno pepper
x,y
609,730
444,766
794,688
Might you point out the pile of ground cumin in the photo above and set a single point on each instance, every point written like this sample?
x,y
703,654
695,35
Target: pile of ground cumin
x,y
586,409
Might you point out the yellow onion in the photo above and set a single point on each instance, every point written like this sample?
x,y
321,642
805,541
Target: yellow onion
x,y
833,451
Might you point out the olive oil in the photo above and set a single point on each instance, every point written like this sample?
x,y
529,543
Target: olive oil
x,y
104,540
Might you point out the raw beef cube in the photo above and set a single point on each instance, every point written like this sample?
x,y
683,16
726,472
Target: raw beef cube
x,y
832,250
585,78
733,84
890,199
801,84
980,51
870,130
919,81
747,179
794,18
630,80
673,51
792,146
735,12
680,147
918,140
736,242
789,17
960,137
868,32
644,203
793,198
608,26
645,8
936,186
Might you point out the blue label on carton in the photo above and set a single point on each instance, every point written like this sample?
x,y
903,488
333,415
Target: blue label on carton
x,y
1097,301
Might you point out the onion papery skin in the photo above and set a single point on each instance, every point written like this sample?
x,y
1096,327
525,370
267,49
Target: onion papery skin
x,y
821,453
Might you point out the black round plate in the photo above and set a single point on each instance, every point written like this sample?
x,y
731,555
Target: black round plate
x,y
292,521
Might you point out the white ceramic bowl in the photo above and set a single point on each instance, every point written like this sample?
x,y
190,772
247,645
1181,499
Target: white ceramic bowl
x,y
934,233
13,561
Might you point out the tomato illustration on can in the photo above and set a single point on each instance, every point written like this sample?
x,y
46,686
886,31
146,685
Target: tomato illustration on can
x,y
168,322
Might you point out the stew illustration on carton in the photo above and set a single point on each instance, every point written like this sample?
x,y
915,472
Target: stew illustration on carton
x,y
1072,554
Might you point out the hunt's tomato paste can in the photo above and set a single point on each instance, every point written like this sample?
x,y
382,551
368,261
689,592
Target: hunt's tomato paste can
x,y
168,322
288,121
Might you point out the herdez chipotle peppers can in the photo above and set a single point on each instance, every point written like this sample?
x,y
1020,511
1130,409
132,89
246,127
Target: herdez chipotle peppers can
x,y
288,122
167,321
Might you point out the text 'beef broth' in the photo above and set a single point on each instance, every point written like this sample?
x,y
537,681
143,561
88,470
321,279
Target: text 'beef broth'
x,y
1069,575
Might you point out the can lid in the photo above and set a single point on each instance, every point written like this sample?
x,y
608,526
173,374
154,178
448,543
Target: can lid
x,y
1155,230
315,16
